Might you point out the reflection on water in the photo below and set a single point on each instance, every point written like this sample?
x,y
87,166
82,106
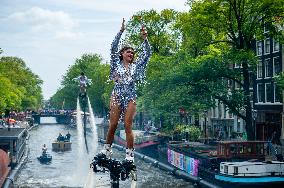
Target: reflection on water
x,y
71,168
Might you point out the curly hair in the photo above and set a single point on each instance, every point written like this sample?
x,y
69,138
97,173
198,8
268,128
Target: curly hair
x,y
124,48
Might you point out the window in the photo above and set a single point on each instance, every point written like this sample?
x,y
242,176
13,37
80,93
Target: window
x,y
260,91
219,110
237,85
276,65
251,80
267,46
214,112
266,28
268,92
275,46
268,68
251,96
277,93
238,126
259,48
259,70
237,65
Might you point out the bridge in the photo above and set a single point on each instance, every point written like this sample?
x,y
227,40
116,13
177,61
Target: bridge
x,y
60,118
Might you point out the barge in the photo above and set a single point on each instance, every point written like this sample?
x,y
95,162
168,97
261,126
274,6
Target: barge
x,y
12,149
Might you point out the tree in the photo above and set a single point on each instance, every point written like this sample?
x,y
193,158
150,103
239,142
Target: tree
x,y
235,23
27,84
163,38
93,68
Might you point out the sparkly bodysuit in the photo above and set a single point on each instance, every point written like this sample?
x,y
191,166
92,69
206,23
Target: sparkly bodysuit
x,y
124,88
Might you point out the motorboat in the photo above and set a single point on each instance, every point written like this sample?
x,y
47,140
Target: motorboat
x,y
45,158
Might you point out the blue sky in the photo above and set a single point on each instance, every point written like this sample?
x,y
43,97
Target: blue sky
x,y
50,34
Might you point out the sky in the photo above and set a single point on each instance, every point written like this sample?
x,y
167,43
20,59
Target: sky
x,y
49,35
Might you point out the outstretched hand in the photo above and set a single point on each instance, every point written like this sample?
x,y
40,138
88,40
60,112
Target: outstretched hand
x,y
122,25
144,32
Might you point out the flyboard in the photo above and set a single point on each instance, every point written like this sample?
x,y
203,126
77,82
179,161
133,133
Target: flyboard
x,y
118,170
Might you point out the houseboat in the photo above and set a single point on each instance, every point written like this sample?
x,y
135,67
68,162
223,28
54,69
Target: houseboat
x,y
207,162
13,141
249,173
12,149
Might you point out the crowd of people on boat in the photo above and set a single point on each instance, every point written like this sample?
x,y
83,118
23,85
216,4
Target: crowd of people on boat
x,y
65,138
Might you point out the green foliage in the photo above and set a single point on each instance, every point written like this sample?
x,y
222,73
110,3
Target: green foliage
x,y
280,80
227,29
163,38
20,87
98,92
193,132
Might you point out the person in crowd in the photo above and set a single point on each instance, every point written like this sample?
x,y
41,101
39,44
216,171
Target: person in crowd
x,y
60,137
68,137
125,71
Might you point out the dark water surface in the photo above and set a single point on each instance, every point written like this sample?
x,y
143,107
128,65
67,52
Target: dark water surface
x,y
71,168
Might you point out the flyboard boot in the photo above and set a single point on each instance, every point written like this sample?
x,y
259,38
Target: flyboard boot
x,y
107,151
129,166
129,155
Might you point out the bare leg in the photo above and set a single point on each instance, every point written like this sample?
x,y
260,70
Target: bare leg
x,y
113,120
128,119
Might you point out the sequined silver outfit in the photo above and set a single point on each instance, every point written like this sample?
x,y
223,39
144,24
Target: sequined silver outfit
x,y
124,88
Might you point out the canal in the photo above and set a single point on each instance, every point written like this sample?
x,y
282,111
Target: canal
x,y
71,168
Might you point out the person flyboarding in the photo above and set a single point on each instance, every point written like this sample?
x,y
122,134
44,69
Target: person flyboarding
x,y
125,71
84,82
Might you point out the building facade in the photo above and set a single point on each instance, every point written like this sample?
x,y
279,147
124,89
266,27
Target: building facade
x,y
268,100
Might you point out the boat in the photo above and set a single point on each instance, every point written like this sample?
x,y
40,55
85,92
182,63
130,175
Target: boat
x,y
61,145
45,158
207,161
249,173
144,142
13,142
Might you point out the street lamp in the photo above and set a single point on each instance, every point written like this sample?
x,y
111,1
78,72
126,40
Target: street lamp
x,y
254,115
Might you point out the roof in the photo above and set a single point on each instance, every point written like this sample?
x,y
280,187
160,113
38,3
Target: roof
x,y
14,133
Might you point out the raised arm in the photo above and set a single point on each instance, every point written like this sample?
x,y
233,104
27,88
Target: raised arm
x,y
143,58
115,42
114,55
145,55
146,50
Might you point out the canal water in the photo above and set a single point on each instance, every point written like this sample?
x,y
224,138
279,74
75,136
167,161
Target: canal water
x,y
71,168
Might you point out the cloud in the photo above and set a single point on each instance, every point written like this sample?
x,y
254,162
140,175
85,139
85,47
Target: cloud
x,y
49,35
68,35
43,20
127,7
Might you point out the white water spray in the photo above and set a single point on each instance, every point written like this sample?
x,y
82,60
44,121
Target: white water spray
x,y
93,125
91,176
79,126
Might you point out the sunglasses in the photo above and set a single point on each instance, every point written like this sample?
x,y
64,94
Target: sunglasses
x,y
130,52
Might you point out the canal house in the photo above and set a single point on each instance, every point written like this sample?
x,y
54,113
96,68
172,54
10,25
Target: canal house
x,y
13,141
